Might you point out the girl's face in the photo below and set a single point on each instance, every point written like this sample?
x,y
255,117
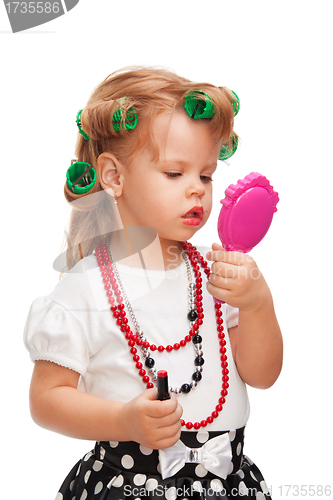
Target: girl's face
x,y
172,194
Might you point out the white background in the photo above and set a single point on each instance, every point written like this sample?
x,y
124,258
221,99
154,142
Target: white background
x,y
277,56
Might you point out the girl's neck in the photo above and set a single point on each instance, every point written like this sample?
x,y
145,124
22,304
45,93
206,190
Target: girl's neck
x,y
137,247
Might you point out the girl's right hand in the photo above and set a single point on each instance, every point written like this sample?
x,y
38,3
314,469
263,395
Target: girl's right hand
x,y
152,423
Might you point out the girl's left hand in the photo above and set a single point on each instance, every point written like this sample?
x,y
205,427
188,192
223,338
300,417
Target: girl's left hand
x,y
236,279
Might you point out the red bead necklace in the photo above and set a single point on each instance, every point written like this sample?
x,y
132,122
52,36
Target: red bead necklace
x,y
114,295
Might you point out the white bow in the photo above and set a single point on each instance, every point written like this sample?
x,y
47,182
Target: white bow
x,y
215,456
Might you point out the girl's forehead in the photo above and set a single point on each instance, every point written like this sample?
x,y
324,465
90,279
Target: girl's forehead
x,y
178,136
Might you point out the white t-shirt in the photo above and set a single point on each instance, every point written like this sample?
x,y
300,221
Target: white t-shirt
x,y
74,327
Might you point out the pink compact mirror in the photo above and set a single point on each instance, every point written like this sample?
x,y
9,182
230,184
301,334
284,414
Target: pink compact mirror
x,y
246,213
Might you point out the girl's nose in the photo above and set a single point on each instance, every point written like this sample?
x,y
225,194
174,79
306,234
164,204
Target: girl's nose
x,y
195,187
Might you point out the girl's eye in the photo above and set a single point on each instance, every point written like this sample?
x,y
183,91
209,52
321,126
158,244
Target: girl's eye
x,y
206,178
173,175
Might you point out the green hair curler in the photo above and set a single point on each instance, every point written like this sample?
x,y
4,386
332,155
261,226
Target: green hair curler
x,y
130,121
235,102
78,123
198,105
81,177
228,149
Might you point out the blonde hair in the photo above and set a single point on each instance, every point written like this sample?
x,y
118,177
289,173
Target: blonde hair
x,y
149,91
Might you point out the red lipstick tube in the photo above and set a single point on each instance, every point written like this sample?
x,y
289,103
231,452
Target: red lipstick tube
x,y
162,385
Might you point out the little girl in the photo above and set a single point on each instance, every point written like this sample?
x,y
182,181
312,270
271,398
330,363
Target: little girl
x,y
138,299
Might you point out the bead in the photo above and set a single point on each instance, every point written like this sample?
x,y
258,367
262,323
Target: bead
x,y
145,379
176,346
192,315
196,376
149,362
169,348
215,414
160,348
142,372
199,361
177,391
136,357
139,364
197,339
203,423
153,347
197,347
218,407
150,385
197,425
198,369
209,419
186,388
189,425
194,384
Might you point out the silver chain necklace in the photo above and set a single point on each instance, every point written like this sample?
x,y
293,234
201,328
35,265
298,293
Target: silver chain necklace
x,y
192,314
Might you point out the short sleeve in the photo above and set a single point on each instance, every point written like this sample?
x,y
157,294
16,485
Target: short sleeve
x,y
231,316
54,334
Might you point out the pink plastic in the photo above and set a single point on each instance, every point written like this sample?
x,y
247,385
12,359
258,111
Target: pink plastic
x,y
246,213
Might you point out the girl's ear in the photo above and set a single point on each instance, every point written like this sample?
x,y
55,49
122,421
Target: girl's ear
x,y
110,174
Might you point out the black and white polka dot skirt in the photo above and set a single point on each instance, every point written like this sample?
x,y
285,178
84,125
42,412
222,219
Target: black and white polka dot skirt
x,y
120,471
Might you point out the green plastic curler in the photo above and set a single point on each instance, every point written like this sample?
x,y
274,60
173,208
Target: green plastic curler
x,y
198,105
78,123
130,121
235,102
81,177
228,149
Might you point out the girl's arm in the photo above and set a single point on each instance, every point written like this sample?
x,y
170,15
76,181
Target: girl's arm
x,y
58,405
257,341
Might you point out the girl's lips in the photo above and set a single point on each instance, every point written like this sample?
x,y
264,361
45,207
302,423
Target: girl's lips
x,y
193,217
191,221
